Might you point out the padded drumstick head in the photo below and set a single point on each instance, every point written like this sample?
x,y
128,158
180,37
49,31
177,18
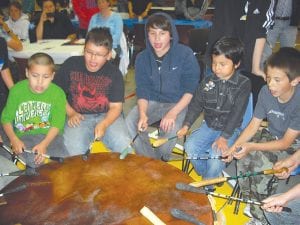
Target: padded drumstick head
x,y
57,159
17,189
31,172
179,214
187,187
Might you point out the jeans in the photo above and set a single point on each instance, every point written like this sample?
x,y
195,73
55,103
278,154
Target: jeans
x,y
56,148
77,139
286,218
284,32
199,144
155,112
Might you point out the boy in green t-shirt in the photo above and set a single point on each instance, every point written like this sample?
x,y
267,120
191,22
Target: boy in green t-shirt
x,y
34,115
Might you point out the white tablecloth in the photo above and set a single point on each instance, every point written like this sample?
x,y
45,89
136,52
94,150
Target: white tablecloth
x,y
54,48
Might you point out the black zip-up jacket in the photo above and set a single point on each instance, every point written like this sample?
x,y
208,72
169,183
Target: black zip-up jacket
x,y
223,102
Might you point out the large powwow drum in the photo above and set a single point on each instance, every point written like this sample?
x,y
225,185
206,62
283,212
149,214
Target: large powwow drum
x,y
102,190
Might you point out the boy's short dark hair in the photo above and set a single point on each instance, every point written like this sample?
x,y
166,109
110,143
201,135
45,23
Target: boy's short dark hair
x,y
158,21
41,58
16,4
286,59
232,48
100,36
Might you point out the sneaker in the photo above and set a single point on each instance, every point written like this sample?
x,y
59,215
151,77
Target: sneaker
x,y
247,211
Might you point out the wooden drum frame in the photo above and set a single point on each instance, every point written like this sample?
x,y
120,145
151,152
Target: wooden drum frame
x,y
102,190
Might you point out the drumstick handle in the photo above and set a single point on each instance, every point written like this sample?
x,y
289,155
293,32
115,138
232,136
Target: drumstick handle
x,y
272,171
54,158
146,212
209,182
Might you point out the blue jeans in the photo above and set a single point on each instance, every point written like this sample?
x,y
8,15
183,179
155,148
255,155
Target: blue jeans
x,y
155,112
56,148
286,218
199,143
77,139
283,32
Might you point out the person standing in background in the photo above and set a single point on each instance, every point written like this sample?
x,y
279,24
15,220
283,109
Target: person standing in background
x,y
112,20
84,9
287,19
139,8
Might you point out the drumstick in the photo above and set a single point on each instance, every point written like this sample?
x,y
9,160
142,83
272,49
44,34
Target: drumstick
x,y
10,151
54,158
88,152
159,142
196,158
146,212
19,188
248,174
187,187
179,214
26,172
126,150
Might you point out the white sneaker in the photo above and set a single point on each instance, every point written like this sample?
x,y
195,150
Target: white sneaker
x,y
247,211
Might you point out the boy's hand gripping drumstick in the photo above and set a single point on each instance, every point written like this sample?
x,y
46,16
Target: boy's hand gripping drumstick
x,y
54,158
161,141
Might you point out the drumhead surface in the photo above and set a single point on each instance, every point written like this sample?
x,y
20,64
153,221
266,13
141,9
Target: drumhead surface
x,y
102,190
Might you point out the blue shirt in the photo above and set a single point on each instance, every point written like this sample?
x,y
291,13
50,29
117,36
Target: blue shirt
x,y
114,23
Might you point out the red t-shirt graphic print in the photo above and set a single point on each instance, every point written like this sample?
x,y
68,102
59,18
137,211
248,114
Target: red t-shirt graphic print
x,y
89,94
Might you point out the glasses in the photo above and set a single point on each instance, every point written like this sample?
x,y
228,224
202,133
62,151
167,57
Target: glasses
x,y
97,55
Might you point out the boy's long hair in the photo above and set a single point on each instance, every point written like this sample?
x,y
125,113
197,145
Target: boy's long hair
x,y
232,48
100,36
159,22
286,59
41,58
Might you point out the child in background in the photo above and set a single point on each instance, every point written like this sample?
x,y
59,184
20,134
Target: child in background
x,y
223,98
34,115
279,103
